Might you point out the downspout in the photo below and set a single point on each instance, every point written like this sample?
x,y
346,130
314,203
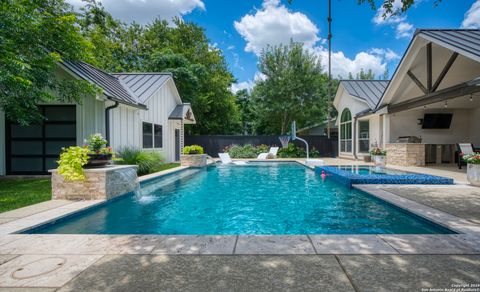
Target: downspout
x,y
107,120
354,140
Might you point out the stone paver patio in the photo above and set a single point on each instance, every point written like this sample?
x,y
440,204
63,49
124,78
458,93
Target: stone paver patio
x,y
64,262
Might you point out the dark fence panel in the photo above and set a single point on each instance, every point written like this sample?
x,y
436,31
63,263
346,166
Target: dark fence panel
x,y
214,144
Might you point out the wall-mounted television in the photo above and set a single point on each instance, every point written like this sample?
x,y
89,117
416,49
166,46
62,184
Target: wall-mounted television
x,y
437,121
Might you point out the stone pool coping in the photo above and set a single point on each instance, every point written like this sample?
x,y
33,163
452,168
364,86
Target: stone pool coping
x,y
467,241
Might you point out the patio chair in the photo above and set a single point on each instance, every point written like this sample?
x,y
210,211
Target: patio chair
x,y
464,149
272,153
226,159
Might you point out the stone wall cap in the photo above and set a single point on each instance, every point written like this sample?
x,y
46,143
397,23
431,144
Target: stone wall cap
x,y
101,169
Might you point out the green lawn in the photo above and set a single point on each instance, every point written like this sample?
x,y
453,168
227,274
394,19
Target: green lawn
x,y
166,166
17,193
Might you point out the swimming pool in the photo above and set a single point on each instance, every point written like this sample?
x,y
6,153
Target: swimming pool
x,y
260,198
349,175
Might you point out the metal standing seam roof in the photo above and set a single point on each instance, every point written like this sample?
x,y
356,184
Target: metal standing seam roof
x,y
466,40
111,85
370,91
143,85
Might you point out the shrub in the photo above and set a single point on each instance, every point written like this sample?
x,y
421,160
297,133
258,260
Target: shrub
x,y
147,161
294,151
193,149
72,160
377,151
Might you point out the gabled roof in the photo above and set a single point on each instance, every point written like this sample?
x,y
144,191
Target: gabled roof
x,y
112,87
143,85
466,41
369,91
183,112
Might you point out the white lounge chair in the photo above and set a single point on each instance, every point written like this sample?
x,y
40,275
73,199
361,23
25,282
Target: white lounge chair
x,y
226,159
271,154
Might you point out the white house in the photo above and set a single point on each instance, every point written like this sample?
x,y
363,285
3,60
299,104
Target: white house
x,y
142,110
434,95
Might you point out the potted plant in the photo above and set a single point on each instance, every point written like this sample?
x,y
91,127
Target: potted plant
x,y
378,156
473,168
99,153
193,156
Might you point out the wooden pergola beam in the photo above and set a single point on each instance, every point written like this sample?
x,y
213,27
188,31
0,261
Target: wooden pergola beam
x,y
445,70
416,81
429,67
434,97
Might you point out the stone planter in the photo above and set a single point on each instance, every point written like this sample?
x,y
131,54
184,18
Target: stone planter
x,y
194,160
379,160
473,174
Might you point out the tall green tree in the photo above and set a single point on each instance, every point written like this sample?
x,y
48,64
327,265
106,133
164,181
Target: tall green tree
x,y
199,70
294,89
34,36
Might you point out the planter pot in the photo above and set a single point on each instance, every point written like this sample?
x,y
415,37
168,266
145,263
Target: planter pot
x,y
379,160
98,160
473,174
194,160
367,158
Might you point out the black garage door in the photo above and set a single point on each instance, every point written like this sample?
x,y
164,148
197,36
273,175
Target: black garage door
x,y
35,149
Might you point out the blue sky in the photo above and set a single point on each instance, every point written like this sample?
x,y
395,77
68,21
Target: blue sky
x,y
361,38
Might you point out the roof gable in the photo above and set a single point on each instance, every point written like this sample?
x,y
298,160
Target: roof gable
x,y
143,85
369,91
110,85
463,41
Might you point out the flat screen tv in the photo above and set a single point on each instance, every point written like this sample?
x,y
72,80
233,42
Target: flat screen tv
x,y
437,121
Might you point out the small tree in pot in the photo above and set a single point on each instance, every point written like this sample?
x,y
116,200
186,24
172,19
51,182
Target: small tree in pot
x,y
378,156
193,156
473,168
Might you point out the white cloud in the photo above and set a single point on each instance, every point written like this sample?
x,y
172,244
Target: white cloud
x,y
143,11
342,65
388,54
236,87
404,30
275,24
472,16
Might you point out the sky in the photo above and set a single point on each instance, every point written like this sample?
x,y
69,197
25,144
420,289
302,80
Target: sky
x,y
362,38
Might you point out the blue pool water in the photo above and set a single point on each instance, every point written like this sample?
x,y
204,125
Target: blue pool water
x,y
368,170
261,198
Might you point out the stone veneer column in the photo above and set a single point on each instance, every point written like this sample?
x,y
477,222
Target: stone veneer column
x,y
100,183
406,154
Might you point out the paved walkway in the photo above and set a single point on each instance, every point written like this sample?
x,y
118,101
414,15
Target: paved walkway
x,y
249,263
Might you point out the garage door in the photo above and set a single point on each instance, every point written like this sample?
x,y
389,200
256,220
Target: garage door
x,y
35,149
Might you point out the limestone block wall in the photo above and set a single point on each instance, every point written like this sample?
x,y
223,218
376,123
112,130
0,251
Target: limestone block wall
x,y
100,184
195,160
406,154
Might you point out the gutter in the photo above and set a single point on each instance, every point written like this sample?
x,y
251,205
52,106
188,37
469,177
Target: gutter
x,y
107,120
354,140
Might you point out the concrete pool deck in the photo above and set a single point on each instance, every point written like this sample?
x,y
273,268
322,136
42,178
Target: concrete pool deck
x,y
301,262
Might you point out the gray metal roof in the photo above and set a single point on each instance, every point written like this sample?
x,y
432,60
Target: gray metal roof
x,y
177,113
111,85
143,85
462,40
368,90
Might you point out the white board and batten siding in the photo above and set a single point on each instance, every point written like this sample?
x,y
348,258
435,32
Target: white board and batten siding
x,y
126,122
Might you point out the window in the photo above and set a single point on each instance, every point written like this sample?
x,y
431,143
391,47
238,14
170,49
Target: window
x,y
147,135
157,137
346,131
152,135
363,136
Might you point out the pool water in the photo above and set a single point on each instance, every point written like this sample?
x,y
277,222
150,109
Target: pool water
x,y
368,170
260,198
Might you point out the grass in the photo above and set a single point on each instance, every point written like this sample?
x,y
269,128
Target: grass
x,y
17,193
166,166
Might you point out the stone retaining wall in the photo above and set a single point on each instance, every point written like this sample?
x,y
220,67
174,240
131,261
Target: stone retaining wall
x,y
406,154
100,183
194,160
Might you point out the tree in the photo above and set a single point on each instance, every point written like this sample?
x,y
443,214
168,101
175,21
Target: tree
x,y
362,75
34,36
244,102
200,71
389,7
294,89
